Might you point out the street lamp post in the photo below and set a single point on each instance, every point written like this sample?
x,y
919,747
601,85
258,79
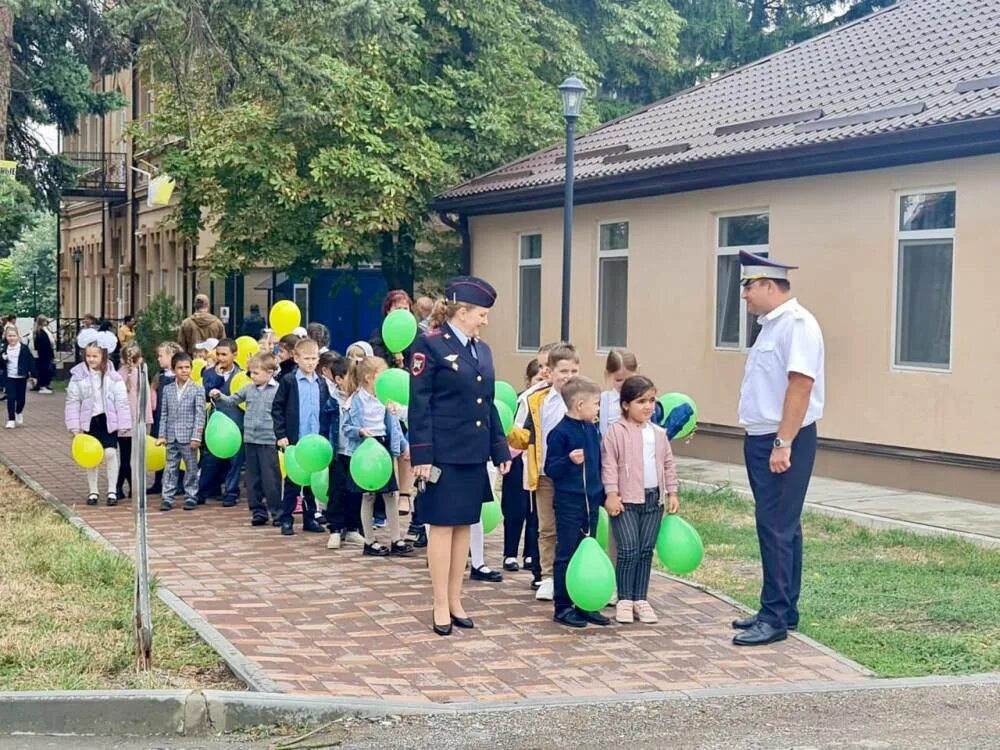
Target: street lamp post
x,y
572,91
77,256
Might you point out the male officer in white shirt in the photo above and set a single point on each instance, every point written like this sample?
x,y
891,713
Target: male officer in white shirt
x,y
781,399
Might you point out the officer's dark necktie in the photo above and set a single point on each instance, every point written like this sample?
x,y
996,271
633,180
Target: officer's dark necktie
x,y
471,346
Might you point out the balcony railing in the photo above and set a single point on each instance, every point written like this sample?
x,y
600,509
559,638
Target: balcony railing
x,y
99,174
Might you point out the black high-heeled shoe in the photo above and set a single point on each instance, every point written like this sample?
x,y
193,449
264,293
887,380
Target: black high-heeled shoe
x,y
462,622
441,629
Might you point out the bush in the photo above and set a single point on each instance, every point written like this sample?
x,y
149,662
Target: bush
x,y
159,322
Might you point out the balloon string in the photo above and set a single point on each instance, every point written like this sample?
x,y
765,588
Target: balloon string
x,y
586,495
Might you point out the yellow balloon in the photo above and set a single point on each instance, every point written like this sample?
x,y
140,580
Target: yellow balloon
x,y
240,379
87,451
285,317
156,455
196,367
246,347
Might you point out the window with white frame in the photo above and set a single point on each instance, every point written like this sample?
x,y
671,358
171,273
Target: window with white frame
x,y
612,285
925,246
734,327
529,292
300,293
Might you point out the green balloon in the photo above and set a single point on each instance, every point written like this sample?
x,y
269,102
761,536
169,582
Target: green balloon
x,y
505,392
393,385
371,465
603,524
294,469
506,416
490,515
314,453
222,436
679,546
669,402
590,576
398,330
320,483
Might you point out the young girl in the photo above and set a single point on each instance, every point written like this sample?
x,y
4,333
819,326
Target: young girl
x,y
367,417
164,353
131,359
97,404
286,355
18,365
637,468
619,366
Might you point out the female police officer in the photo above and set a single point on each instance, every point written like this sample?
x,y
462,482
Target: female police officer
x,y
454,431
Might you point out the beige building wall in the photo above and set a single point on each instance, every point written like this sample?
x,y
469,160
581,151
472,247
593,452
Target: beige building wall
x,y
840,230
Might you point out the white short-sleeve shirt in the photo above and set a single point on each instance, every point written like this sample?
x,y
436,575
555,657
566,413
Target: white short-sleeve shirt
x,y
790,341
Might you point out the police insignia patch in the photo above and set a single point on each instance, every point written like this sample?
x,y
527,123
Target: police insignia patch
x,y
419,361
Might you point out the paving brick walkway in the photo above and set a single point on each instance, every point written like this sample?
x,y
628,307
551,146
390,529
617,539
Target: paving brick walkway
x,y
335,623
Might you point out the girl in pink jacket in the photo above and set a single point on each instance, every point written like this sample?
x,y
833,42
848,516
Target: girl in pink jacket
x,y
131,361
637,468
97,404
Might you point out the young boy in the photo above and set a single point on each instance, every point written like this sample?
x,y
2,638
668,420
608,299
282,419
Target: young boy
x,y
545,408
259,441
164,354
216,470
182,421
298,411
343,509
573,464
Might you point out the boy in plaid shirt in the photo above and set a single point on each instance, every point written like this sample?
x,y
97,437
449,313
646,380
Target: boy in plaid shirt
x,y
182,422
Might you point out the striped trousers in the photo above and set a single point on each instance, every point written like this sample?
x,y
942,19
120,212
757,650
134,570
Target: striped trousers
x,y
635,531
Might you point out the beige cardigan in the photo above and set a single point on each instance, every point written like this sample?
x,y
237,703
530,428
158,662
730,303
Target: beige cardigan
x,y
621,462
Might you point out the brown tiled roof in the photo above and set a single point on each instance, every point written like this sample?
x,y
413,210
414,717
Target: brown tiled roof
x,y
914,65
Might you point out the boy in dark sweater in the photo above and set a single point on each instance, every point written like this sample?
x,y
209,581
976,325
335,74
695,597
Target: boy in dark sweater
x,y
573,463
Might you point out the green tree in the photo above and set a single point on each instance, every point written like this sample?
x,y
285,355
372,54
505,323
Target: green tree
x,y
159,321
16,213
33,259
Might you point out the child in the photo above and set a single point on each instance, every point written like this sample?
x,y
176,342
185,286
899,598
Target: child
x,y
298,411
359,351
367,417
286,355
18,365
216,471
321,335
637,470
619,366
259,441
343,508
164,354
97,404
131,359
515,501
573,463
182,422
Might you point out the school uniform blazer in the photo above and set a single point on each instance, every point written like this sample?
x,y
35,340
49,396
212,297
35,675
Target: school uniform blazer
x,y
452,418
25,362
182,418
285,409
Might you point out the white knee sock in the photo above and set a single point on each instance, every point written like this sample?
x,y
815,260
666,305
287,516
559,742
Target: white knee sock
x,y
476,541
111,467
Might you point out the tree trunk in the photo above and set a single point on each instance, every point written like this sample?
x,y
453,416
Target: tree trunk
x,y
6,40
396,254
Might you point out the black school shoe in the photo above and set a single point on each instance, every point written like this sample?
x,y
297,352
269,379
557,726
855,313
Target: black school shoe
x,y
112,499
229,502
486,574
570,617
286,528
310,525
375,550
166,505
595,617
400,547
92,499
190,504
510,565
259,521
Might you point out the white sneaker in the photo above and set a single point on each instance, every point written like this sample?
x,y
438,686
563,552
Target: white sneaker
x,y
20,419
334,541
45,391
11,425
546,592
353,537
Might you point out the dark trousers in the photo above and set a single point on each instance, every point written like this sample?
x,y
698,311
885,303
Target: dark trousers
x,y
778,500
343,509
125,462
291,492
17,392
263,480
635,531
215,471
46,369
574,521
518,514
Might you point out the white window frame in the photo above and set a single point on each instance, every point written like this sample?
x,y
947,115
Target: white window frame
x,y
607,255
523,263
744,345
923,234
295,289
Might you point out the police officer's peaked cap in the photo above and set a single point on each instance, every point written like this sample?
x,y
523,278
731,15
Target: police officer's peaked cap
x,y
470,289
758,267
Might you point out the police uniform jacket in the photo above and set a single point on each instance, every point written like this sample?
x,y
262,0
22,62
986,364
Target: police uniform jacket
x,y
452,418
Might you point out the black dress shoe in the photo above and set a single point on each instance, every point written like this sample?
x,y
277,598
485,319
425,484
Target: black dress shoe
x,y
155,489
595,617
258,521
745,623
760,634
276,522
286,529
486,574
313,527
462,622
442,629
510,565
570,617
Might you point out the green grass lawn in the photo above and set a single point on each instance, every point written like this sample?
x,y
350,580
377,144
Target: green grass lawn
x,y
66,611
899,603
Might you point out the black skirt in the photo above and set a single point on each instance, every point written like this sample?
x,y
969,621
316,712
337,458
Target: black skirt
x,y
390,486
99,430
456,499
